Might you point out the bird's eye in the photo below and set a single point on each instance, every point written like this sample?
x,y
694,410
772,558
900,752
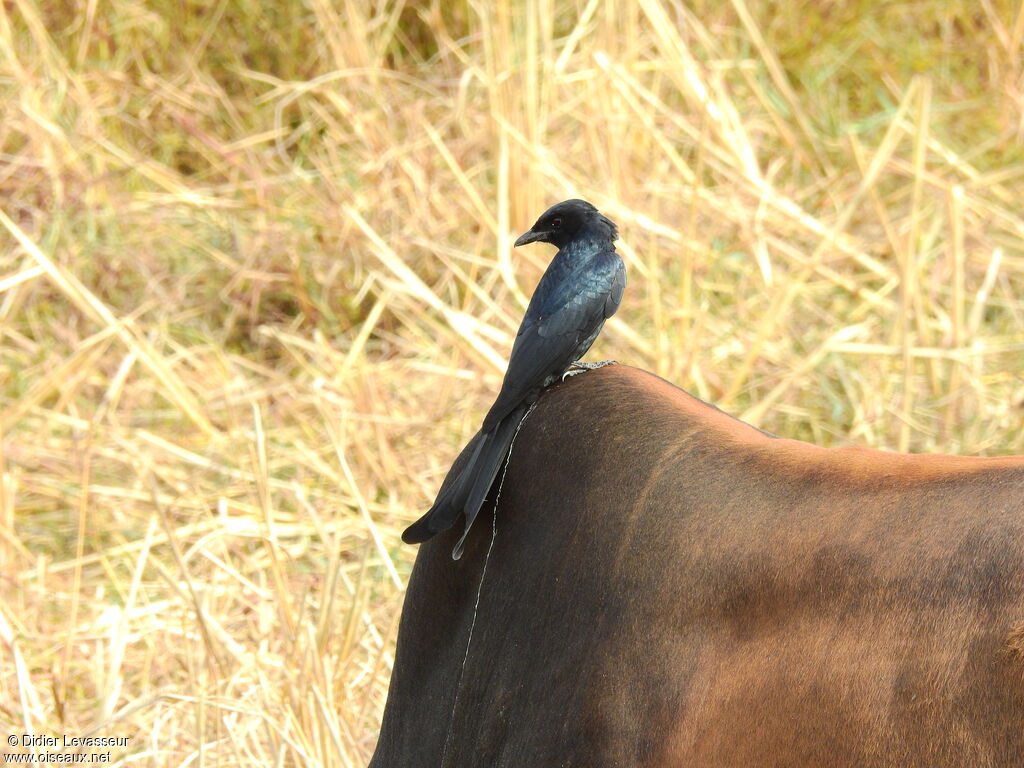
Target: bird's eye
x,y
556,223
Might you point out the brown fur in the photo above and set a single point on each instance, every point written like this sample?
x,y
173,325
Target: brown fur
x,y
670,587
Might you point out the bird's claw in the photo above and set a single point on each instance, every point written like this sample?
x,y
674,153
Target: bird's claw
x,y
578,367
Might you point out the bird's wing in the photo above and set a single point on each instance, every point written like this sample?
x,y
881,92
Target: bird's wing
x,y
548,341
614,297
597,295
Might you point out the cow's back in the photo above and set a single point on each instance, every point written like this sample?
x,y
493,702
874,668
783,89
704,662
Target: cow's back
x,y
667,586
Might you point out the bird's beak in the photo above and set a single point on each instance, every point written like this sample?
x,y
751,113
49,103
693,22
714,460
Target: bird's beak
x,y
529,236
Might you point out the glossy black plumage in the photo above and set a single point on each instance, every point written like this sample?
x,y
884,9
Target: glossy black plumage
x,y
580,289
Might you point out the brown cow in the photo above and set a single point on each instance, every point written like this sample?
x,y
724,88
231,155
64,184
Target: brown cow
x,y
668,586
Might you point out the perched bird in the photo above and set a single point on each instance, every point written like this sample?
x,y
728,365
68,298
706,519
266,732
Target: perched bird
x,y
580,289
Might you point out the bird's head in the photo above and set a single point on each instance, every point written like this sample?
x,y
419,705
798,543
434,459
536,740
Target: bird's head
x,y
562,223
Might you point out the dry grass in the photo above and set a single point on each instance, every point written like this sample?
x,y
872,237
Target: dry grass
x,y
257,288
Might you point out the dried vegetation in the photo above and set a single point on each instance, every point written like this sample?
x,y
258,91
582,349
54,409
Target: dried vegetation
x,y
257,288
